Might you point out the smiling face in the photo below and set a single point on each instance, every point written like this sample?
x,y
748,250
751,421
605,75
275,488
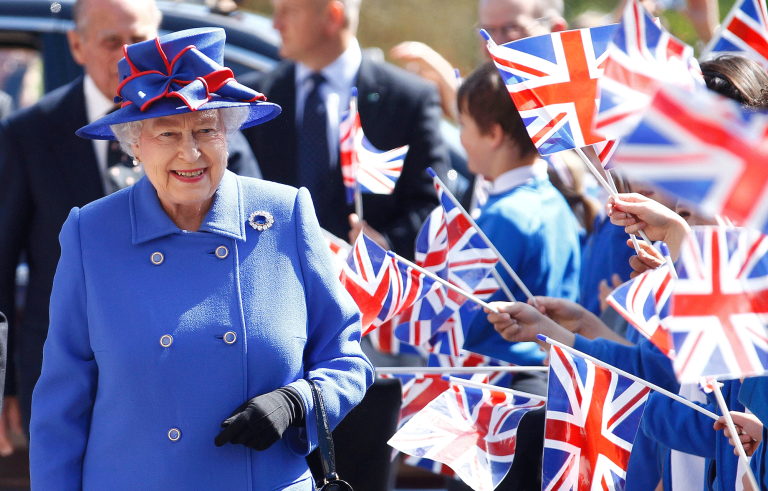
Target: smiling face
x,y
184,157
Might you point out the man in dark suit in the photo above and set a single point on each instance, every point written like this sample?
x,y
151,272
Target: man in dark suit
x,y
301,148
396,109
45,169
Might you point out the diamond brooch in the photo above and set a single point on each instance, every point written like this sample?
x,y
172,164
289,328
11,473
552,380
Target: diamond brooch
x,y
261,220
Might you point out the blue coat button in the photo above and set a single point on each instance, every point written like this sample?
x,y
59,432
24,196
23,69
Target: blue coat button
x,y
174,434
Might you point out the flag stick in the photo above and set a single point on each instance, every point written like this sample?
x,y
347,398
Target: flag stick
x,y
358,200
478,385
482,235
615,195
629,376
418,370
612,182
502,285
732,429
442,281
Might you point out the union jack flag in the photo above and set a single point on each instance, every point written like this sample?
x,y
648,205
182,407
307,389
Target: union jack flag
x,y
339,248
641,56
473,431
643,302
374,170
553,81
384,340
604,151
592,419
419,391
449,339
380,286
719,305
744,31
705,149
457,253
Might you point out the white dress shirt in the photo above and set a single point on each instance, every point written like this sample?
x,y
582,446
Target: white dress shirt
x,y
517,177
340,77
98,105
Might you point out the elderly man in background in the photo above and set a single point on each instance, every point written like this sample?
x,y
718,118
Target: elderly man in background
x,y
301,148
505,21
46,169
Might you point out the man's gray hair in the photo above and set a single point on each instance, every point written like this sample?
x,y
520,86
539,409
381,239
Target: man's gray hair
x,y
79,11
351,13
128,133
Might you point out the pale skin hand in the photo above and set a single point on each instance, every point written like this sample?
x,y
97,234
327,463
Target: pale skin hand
x,y
576,319
358,226
428,63
647,258
749,427
635,212
518,321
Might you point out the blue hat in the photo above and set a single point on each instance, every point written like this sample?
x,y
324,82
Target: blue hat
x,y
175,74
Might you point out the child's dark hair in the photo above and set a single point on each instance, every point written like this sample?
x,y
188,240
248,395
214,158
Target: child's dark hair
x,y
484,96
737,78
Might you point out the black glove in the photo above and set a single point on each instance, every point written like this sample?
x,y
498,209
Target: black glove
x,y
261,421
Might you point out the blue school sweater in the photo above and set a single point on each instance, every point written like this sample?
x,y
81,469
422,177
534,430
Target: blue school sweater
x,y
754,395
534,229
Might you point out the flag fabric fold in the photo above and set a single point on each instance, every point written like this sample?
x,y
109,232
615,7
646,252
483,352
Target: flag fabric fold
x,y
641,56
644,301
744,31
375,171
473,431
553,81
719,307
705,149
593,416
381,286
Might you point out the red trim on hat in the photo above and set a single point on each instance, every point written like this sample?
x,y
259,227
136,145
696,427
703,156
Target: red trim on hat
x,y
162,54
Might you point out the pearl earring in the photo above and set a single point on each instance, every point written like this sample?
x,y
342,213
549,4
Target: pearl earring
x,y
136,162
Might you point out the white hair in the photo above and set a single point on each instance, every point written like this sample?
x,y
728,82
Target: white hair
x,y
128,133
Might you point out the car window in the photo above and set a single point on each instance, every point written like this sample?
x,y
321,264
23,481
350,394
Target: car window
x,y
21,75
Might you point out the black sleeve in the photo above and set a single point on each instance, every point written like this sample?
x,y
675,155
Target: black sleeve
x,y
15,208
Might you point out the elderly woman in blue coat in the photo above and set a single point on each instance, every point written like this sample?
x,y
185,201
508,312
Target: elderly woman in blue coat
x,y
188,310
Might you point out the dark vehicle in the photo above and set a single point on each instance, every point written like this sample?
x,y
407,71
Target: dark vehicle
x,y
35,58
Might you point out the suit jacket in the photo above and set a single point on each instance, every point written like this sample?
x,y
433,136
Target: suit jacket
x,y
396,108
3,354
46,170
225,316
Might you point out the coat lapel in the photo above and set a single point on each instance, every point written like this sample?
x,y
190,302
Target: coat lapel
x,y
371,95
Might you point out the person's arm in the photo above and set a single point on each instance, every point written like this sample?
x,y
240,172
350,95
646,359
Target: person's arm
x,y
577,319
332,356
63,400
754,395
679,427
518,321
635,212
15,221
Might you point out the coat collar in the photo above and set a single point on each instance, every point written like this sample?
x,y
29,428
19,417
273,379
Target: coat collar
x,y
226,216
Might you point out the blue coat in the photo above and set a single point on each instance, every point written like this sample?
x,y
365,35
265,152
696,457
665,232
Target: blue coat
x,y
535,230
144,361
